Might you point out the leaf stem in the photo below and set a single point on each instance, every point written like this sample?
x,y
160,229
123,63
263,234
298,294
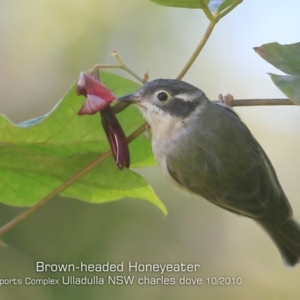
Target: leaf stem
x,y
195,54
227,10
202,42
25,214
213,20
207,11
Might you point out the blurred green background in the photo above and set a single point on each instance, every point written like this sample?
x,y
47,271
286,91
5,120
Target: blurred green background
x,y
44,44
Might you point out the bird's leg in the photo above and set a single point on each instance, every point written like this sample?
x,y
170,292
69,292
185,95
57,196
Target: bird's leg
x,y
122,66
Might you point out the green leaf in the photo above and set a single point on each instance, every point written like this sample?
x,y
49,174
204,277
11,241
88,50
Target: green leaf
x,y
289,85
219,5
180,3
287,59
38,155
213,5
99,185
284,57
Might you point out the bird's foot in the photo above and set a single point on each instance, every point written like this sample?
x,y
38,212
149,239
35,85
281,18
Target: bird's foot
x,y
227,99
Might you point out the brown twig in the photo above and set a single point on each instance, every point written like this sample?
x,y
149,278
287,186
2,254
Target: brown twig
x,y
121,66
261,102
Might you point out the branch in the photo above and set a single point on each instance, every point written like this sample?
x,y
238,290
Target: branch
x,y
261,102
230,101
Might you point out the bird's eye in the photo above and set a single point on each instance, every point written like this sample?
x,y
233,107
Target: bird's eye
x,y
162,96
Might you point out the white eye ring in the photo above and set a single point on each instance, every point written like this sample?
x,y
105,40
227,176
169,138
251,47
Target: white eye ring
x,y
162,95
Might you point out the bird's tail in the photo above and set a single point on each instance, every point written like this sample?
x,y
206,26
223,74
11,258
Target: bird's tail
x,y
287,239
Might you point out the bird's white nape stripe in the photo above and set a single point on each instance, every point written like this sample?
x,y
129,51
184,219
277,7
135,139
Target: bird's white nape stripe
x,y
185,97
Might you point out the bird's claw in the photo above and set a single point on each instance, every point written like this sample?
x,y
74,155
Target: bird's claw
x,y
227,99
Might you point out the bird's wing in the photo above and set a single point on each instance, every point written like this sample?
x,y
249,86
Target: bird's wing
x,y
254,191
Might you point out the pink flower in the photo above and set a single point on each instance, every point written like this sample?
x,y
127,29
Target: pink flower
x,y
98,99
98,96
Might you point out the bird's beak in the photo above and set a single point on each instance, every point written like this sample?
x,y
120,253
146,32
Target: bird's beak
x,y
132,98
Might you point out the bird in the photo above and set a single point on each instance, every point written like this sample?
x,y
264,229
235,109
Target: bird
x,y
206,149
